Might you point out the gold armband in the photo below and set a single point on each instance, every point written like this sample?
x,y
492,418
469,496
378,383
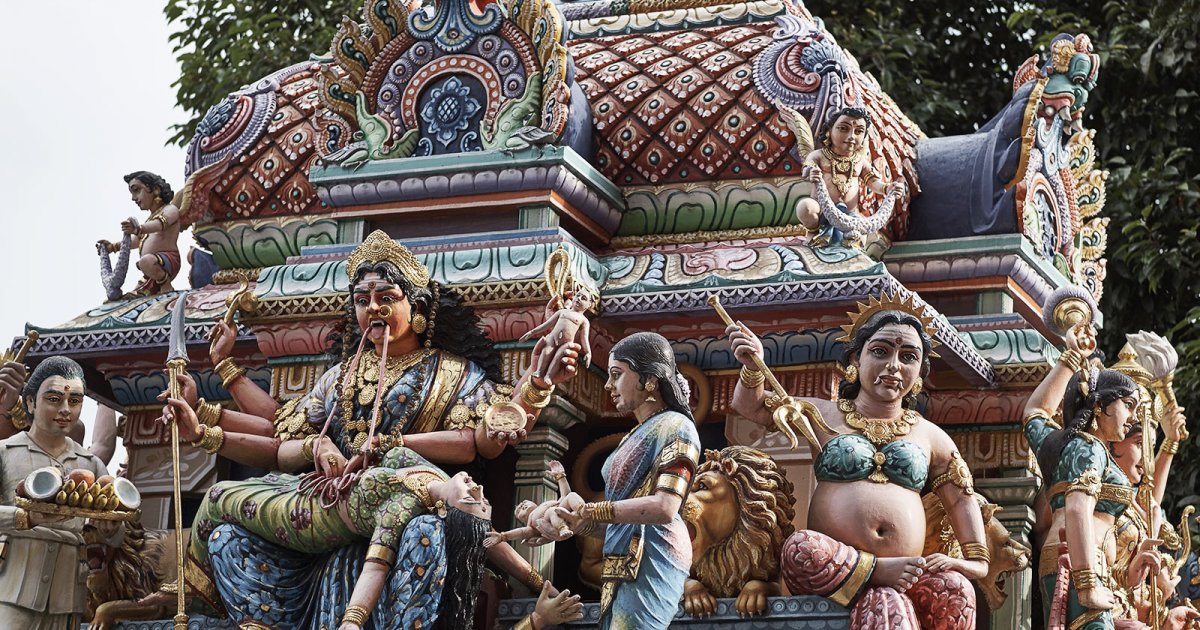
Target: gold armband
x,y
1037,413
673,483
16,414
872,176
1072,360
228,371
212,440
534,580
1170,446
356,615
306,448
209,414
1087,483
958,474
601,511
388,442
381,554
1084,579
535,397
976,551
751,378
21,518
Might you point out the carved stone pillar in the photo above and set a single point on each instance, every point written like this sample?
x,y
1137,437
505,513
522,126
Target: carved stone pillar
x,y
1014,495
796,464
545,443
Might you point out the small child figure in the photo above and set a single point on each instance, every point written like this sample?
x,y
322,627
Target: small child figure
x,y
527,512
565,325
843,163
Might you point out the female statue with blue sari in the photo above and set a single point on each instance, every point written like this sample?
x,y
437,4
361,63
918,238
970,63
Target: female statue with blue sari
x,y
647,551
424,376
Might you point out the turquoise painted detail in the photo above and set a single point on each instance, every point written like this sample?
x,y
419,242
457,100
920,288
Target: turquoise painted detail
x,y
850,457
722,205
264,243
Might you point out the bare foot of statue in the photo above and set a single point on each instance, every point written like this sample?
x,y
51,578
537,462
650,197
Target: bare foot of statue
x,y
898,573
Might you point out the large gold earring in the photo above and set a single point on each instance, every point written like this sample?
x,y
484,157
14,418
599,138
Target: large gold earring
x,y
917,385
851,372
649,386
1095,417
419,323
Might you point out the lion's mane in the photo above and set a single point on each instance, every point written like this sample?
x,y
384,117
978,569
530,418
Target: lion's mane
x,y
766,507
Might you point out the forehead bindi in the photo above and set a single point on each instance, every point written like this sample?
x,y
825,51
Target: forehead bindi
x,y
58,385
897,336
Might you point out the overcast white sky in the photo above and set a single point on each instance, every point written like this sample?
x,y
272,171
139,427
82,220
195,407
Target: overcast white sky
x,y
87,98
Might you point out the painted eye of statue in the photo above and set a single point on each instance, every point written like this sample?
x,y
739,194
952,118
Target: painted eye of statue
x,y
910,357
878,352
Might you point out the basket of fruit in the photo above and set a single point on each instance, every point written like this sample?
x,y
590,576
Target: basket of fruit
x,y
79,494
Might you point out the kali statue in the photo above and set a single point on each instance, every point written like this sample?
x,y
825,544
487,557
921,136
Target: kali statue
x,y
866,535
423,377
156,238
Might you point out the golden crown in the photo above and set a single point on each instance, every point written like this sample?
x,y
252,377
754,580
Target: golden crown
x,y
1129,366
890,302
379,247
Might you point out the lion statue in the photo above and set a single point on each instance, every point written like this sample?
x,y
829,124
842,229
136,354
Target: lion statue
x,y
119,577
1007,554
738,514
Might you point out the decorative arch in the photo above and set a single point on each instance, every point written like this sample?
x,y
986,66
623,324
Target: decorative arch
x,y
446,78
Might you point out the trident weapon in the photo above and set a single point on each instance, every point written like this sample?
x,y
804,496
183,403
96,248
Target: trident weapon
x,y
23,351
177,361
242,300
800,413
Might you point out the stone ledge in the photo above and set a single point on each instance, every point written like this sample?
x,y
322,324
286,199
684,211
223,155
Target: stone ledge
x,y
793,613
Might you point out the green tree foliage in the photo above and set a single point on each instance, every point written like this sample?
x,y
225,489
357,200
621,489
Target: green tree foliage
x,y
225,44
949,66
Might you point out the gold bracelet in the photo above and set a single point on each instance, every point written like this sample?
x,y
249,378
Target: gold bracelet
x,y
751,378
356,615
1084,579
535,580
21,518
1072,360
1170,446
976,551
209,414
228,371
306,447
586,530
382,554
534,397
601,511
212,440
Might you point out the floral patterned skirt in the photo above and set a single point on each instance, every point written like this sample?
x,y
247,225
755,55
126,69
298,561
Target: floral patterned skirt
x,y
267,584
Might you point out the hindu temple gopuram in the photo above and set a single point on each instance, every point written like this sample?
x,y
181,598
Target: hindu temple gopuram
x,y
609,314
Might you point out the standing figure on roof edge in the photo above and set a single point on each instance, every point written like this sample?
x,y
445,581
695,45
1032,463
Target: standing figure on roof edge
x,y
424,376
866,519
647,552
1087,490
1096,579
840,166
157,238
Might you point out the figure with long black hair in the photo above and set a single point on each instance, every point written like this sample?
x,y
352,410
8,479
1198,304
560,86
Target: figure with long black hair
x,y
647,551
1087,489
